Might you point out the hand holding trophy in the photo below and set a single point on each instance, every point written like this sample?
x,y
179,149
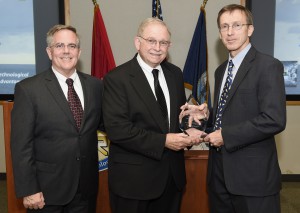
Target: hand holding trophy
x,y
193,117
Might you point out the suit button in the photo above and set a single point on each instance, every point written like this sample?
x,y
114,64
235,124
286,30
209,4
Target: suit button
x,y
77,158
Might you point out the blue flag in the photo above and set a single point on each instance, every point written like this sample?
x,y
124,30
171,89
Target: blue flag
x,y
156,9
195,69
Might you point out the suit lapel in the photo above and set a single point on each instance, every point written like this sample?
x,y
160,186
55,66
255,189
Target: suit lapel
x,y
240,75
143,90
173,97
55,90
218,82
86,97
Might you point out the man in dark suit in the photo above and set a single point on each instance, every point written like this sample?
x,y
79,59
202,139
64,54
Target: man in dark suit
x,y
243,171
146,163
55,158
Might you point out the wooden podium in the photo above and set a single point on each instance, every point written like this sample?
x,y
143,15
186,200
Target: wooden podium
x,y
14,205
195,197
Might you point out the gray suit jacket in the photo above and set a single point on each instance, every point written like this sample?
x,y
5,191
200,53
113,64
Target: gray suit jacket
x,y
48,153
139,164
254,113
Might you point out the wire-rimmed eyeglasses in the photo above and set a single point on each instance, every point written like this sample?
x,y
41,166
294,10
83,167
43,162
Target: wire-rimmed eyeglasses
x,y
234,26
153,42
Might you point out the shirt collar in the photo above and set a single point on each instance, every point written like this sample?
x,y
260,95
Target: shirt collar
x,y
237,60
74,76
145,66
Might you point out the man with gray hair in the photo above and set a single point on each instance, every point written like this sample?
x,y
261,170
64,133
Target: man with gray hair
x,y
55,119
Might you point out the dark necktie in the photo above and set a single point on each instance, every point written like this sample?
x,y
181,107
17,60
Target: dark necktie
x,y
160,96
224,95
74,103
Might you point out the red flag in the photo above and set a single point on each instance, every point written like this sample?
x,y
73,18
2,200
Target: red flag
x,y
102,57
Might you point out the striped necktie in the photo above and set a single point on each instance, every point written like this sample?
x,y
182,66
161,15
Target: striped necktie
x,y
223,98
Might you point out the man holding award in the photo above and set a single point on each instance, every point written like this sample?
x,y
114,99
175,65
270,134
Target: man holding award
x,y
142,100
249,110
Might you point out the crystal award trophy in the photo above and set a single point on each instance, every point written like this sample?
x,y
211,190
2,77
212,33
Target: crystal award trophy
x,y
201,116
185,120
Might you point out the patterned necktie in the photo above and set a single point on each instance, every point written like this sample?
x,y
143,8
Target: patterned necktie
x,y
224,95
160,95
74,103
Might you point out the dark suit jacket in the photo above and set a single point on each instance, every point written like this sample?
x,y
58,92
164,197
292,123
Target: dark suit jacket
x,y
255,111
139,164
48,153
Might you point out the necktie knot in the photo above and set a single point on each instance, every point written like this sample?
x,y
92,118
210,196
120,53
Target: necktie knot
x,y
230,67
155,73
69,82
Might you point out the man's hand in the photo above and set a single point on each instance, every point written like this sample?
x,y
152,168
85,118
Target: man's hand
x,y
195,112
35,201
215,138
197,134
178,141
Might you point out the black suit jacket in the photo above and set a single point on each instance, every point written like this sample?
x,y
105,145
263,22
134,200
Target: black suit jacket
x,y
255,111
139,164
48,153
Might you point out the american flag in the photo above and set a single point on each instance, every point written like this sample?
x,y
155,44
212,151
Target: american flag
x,y
156,9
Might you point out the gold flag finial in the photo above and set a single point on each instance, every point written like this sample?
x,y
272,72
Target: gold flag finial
x,y
94,2
204,3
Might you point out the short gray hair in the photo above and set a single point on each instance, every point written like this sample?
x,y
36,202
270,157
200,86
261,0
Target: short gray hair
x,y
57,28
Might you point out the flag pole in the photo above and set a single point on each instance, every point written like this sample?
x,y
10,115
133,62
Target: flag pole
x,y
158,3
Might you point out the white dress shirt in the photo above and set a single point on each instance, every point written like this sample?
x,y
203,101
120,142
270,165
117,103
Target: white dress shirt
x,y
161,77
77,85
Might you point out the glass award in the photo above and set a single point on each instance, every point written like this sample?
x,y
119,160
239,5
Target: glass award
x,y
185,120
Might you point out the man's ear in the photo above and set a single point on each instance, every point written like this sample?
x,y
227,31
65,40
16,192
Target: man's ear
x,y
48,50
250,30
137,43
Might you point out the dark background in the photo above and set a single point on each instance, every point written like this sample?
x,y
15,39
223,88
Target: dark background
x,y
264,29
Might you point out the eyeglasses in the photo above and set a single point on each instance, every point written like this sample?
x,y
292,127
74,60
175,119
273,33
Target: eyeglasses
x,y
61,46
235,26
153,42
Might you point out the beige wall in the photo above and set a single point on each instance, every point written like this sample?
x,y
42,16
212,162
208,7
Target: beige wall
x,y
122,19
288,143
